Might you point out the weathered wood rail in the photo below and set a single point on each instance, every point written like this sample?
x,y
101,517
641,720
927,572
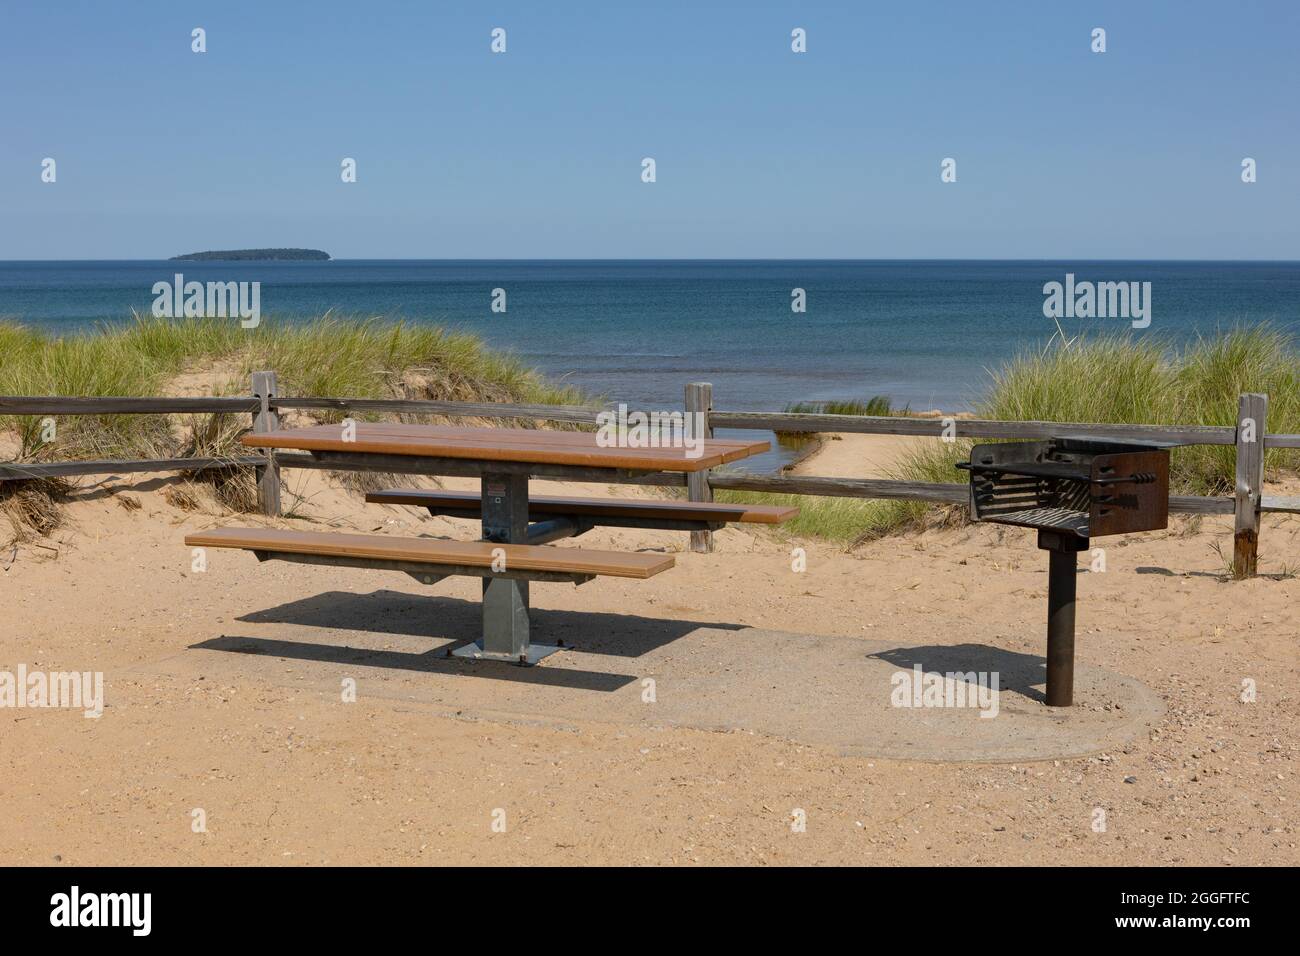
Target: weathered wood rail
x,y
264,405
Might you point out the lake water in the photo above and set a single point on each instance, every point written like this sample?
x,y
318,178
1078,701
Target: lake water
x,y
921,332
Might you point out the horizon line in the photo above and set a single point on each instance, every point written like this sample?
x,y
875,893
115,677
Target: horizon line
x,y
1052,259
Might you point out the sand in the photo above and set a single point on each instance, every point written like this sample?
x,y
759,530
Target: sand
x,y
859,456
224,701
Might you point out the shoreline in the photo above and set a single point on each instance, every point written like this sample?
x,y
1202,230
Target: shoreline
x,y
862,454
639,330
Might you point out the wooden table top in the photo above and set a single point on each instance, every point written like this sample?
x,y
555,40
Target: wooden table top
x,y
519,445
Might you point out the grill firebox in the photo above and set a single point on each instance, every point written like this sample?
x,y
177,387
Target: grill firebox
x,y
1071,490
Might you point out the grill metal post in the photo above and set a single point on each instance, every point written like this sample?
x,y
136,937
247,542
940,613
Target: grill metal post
x,y
1062,577
1060,628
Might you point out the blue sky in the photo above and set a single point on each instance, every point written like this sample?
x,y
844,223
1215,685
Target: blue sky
x,y
760,152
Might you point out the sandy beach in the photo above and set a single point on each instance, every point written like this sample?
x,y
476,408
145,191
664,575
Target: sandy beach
x,y
222,694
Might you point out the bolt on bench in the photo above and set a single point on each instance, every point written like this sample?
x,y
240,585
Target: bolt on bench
x,y
512,551
1071,490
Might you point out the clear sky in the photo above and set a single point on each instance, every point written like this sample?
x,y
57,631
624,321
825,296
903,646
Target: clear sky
x,y
760,152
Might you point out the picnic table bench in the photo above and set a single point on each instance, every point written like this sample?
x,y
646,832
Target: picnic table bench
x,y
512,551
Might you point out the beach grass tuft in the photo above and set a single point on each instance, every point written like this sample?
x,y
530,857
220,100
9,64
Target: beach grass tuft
x,y
333,356
1103,379
876,405
1117,379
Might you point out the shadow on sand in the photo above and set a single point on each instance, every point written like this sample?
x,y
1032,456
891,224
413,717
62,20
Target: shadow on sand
x,y
455,622
1023,674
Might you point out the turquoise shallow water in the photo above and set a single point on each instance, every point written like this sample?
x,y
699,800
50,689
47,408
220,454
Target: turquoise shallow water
x,y
922,332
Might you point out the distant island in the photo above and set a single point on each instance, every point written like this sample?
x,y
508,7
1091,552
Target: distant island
x,y
292,255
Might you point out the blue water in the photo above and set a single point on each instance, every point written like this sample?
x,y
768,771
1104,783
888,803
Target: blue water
x,y
921,332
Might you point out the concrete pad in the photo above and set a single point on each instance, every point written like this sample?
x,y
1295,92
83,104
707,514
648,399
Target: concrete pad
x,y
837,693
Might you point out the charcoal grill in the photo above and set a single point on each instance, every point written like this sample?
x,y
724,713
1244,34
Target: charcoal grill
x,y
1071,490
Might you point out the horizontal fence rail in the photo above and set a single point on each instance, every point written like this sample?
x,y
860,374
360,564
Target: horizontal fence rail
x,y
973,427
941,493
112,405
577,414
265,406
27,471
1282,441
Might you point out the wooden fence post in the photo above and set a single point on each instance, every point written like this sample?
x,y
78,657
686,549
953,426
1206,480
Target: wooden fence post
x,y
1252,410
699,402
266,419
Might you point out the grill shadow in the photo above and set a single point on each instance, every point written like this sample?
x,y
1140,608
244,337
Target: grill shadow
x,y
1023,674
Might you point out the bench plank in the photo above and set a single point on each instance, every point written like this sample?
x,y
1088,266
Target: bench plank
x,y
434,552
470,502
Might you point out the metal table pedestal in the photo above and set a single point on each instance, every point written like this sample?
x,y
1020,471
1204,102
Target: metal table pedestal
x,y
505,599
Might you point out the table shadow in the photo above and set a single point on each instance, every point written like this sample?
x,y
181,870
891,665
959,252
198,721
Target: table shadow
x,y
455,619
427,662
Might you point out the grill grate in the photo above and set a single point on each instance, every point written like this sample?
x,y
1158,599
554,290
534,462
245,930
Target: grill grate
x,y
1072,486
1060,519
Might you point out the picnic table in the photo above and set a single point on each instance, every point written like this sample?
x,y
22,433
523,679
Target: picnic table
x,y
513,549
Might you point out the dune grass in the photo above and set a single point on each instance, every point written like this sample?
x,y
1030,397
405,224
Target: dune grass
x,y
1103,379
844,521
1116,379
850,521
875,405
1109,378
331,356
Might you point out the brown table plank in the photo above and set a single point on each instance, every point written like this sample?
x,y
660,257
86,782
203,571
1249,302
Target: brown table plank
x,y
538,436
518,445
